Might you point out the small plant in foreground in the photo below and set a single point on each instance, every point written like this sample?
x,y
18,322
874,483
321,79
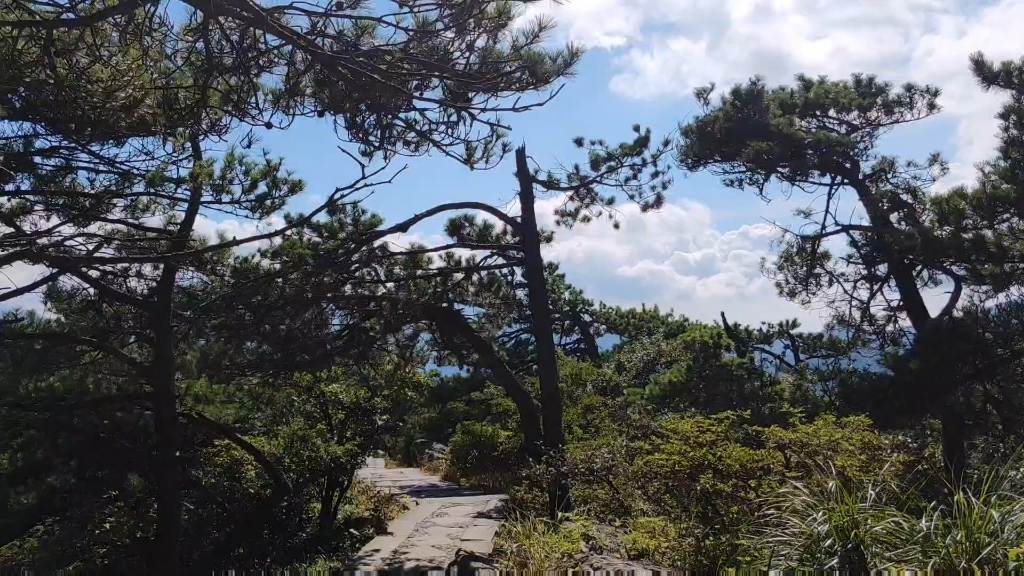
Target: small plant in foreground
x,y
833,523
977,530
526,542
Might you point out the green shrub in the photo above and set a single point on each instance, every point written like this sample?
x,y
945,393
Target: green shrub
x,y
690,488
681,543
833,522
655,539
976,530
439,466
484,456
368,505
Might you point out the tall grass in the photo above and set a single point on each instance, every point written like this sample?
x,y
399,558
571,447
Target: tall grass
x,y
835,523
526,542
975,530
828,522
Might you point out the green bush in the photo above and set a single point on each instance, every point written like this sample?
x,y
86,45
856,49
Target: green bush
x,y
833,522
690,488
484,456
978,530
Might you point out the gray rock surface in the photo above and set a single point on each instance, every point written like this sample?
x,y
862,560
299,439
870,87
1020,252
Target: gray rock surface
x,y
445,522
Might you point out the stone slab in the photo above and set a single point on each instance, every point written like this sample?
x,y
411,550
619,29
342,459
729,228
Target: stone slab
x,y
384,546
446,519
481,547
451,521
462,511
485,533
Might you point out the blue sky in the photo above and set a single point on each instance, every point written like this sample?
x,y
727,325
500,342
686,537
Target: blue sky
x,y
586,106
700,254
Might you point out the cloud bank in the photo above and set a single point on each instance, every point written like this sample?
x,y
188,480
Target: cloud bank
x,y
663,49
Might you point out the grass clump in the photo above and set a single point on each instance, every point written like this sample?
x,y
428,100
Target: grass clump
x,y
835,523
980,529
526,542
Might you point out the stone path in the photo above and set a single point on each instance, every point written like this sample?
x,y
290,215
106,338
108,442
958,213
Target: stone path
x,y
443,520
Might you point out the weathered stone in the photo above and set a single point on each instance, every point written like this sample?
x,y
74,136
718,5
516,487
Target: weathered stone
x,y
485,533
455,521
448,519
481,547
486,522
460,511
423,552
437,535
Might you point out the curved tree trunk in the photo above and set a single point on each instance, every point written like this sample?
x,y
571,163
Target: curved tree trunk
x,y
954,432
529,419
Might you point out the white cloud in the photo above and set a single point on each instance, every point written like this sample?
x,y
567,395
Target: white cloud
x,y
664,48
239,229
676,258
17,275
20,274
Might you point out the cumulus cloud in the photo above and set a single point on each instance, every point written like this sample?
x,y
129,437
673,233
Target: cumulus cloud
x,y
665,48
238,229
676,258
20,274
17,275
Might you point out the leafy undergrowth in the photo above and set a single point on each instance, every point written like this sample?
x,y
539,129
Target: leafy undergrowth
x,y
739,490
367,502
720,493
437,467
483,456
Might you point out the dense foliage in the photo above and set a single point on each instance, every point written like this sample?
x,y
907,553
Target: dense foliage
x,y
179,403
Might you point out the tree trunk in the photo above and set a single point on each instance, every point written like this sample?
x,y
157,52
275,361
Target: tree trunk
x,y
340,494
954,433
451,319
589,342
326,521
902,272
543,333
165,559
